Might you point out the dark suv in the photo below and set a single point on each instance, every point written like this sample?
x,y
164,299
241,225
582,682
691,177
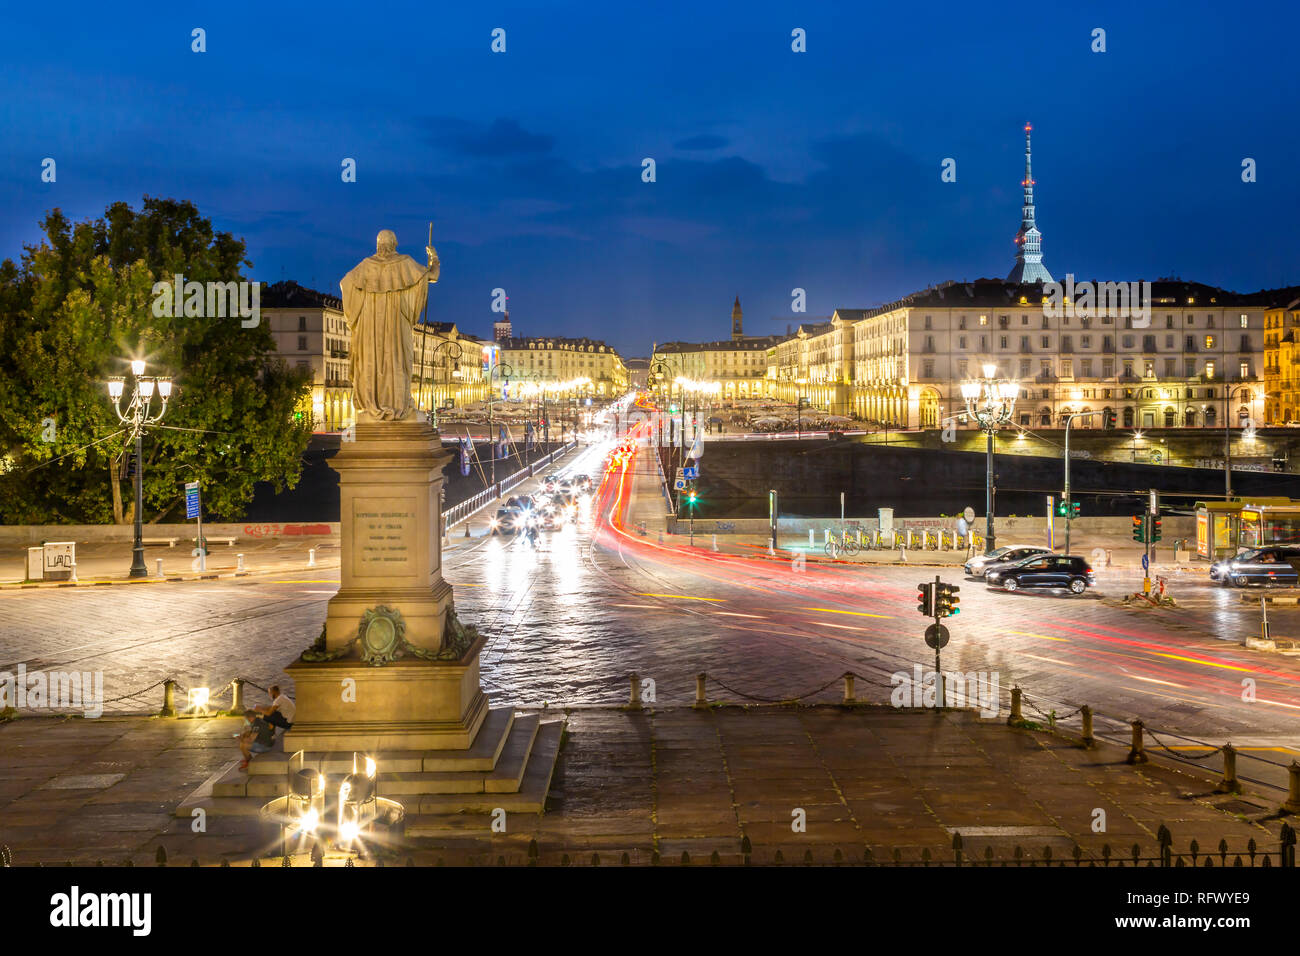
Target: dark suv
x,y
1044,571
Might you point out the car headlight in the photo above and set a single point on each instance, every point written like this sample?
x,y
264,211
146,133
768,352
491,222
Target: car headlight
x,y
993,575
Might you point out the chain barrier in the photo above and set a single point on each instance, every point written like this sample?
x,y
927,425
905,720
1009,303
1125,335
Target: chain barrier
x,y
772,700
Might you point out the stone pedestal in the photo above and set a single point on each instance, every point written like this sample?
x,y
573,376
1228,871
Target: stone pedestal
x,y
411,682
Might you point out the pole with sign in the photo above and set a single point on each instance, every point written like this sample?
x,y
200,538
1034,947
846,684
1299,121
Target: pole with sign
x,y
194,510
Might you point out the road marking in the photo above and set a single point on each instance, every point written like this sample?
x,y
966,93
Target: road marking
x,y
734,614
1152,680
653,607
831,610
682,597
1278,703
1050,660
1043,636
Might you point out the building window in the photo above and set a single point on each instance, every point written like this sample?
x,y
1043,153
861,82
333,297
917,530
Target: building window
x,y
1128,341
962,365
1024,343
1085,341
1169,321
1085,368
984,320
961,322
1047,341
927,322
302,323
1107,368
1024,368
302,343
961,342
927,369
1245,370
1002,341
1209,369
1245,322
1149,368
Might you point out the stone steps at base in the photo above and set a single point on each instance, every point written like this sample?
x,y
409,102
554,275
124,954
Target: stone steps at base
x,y
482,755
445,815
511,761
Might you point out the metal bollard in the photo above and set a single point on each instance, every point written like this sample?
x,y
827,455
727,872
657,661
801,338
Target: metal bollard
x,y
701,698
1016,717
73,579
715,542
1136,754
812,543
237,695
467,529
311,557
158,565
169,699
848,688
1292,804
239,562
1229,783
634,702
1089,741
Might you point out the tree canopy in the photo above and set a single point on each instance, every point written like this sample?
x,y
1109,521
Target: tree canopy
x,y
75,312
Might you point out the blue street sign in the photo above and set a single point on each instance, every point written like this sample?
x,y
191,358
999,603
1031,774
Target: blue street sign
x,y
1144,562
191,499
691,472
680,484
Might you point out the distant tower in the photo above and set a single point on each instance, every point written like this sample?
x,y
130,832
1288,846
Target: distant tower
x,y
1029,258
502,330
737,325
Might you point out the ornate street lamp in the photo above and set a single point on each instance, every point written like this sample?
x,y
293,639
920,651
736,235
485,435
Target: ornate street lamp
x,y
992,403
503,370
137,418
454,352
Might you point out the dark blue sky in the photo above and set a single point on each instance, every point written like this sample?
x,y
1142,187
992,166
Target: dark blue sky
x,y
776,169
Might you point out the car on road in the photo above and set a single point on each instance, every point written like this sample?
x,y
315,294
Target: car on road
x,y
507,521
981,564
549,482
583,482
1056,571
565,487
1274,565
553,519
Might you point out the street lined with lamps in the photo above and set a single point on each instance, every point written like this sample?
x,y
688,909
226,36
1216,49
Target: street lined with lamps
x,y
992,403
137,418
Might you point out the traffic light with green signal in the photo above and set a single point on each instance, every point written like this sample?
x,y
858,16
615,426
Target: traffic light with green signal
x,y
1062,508
692,499
925,598
946,600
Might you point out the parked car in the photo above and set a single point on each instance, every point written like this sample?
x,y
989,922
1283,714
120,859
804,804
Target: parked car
x,y
1275,565
981,564
1044,571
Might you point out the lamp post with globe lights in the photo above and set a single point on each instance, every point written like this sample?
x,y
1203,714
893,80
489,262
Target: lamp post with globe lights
x,y
137,417
992,403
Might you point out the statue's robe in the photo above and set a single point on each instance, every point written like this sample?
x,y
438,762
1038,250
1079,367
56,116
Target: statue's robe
x,y
382,300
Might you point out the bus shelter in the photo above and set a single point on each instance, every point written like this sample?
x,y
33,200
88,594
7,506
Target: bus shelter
x,y
1225,527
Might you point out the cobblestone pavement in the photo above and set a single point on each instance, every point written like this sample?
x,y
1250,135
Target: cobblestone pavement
x,y
809,783
568,621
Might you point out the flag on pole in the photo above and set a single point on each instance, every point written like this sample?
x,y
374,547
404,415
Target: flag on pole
x,y
697,449
465,455
502,442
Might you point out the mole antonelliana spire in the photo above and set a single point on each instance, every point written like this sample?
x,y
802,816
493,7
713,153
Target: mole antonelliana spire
x,y
1029,257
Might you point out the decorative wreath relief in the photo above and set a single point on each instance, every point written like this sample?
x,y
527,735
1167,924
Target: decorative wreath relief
x,y
382,635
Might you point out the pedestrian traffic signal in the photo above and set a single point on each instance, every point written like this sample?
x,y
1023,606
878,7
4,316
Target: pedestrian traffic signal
x,y
946,600
1140,528
1155,528
1063,508
1074,509
925,597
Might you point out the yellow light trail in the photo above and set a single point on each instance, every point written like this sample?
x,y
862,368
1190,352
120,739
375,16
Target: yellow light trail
x,y
681,597
1043,636
831,610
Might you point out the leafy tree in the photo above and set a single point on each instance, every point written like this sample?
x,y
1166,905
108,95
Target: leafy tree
x,y
74,313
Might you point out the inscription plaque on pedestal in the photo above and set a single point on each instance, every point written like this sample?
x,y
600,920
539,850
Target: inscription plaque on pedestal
x,y
383,529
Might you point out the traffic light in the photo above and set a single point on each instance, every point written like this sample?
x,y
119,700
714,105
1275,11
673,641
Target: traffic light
x,y
1074,509
1155,528
1063,508
691,498
1140,528
946,600
925,595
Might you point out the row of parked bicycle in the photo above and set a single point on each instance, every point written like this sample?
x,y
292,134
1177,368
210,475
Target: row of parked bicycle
x,y
851,541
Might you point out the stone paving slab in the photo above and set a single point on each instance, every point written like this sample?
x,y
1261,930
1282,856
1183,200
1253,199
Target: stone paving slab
x,y
673,781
